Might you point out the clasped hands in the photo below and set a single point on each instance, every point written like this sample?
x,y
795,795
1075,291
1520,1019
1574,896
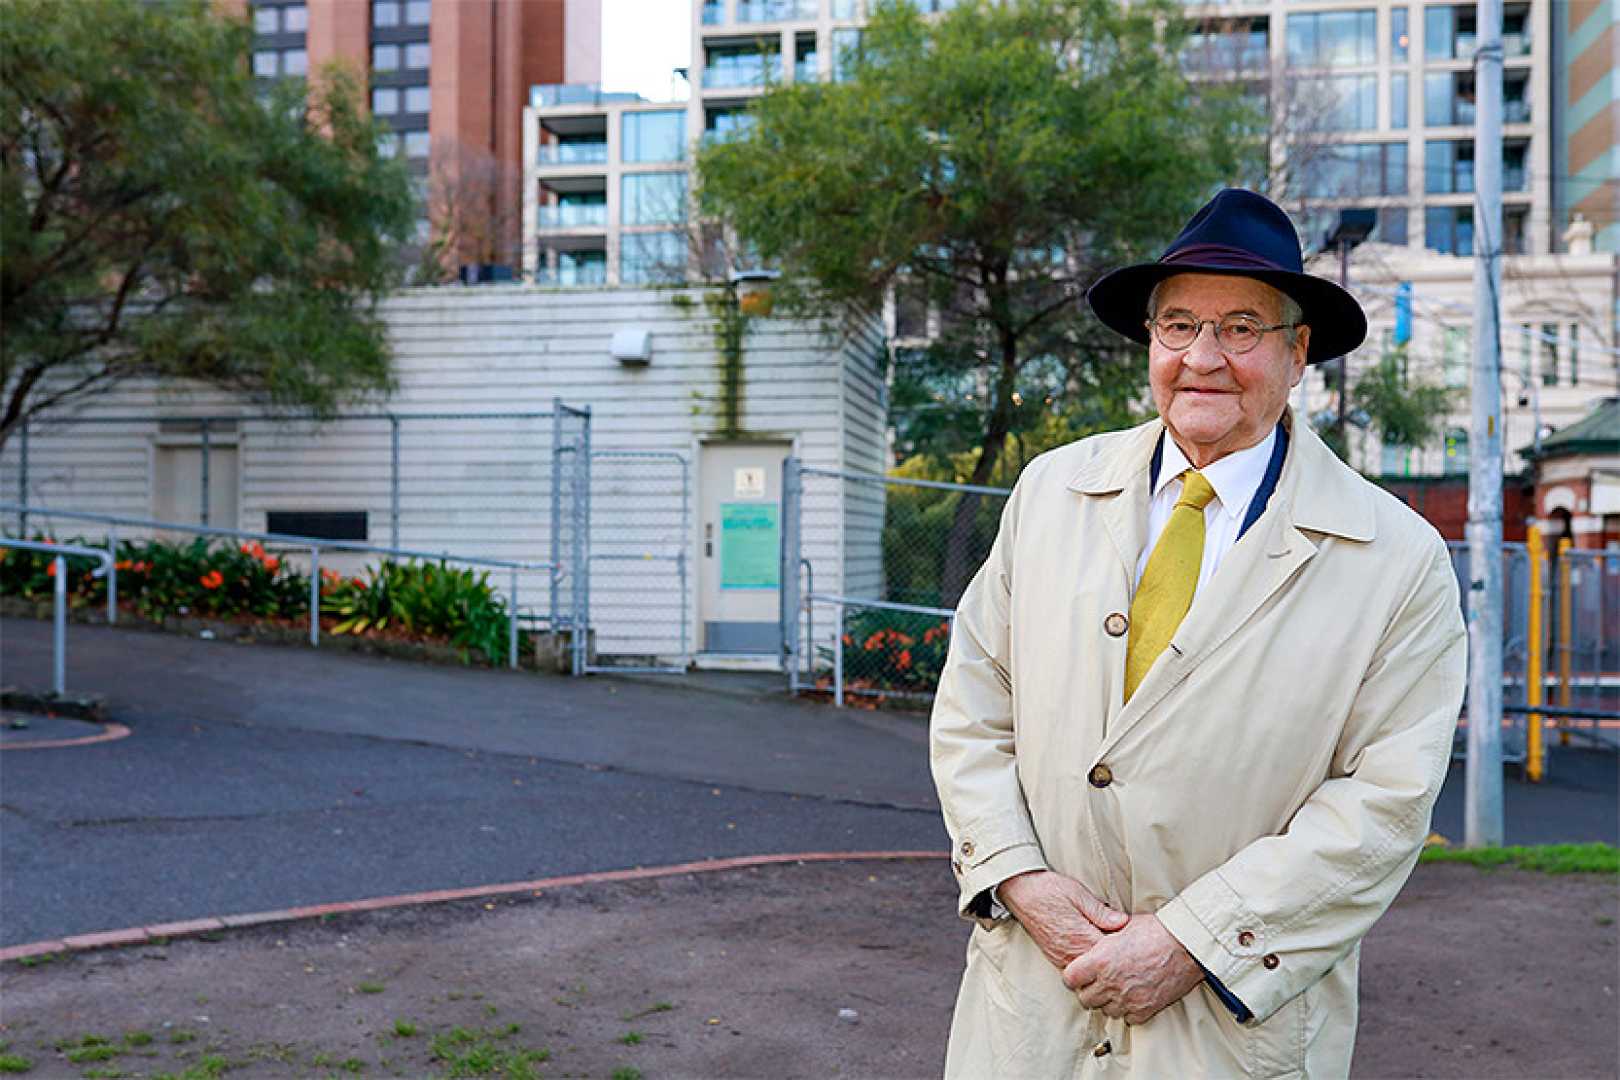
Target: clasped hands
x,y
1128,966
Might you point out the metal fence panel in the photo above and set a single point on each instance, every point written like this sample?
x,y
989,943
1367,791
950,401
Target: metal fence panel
x,y
640,514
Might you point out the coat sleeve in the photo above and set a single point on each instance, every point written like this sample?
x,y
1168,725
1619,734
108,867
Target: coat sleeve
x,y
1272,919
971,742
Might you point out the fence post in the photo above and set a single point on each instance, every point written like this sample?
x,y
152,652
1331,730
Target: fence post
x,y
556,508
22,482
59,629
314,595
838,656
1565,628
511,625
788,571
680,556
1535,641
112,574
393,480
206,449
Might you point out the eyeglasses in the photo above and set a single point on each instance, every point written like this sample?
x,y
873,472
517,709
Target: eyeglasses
x,y
1236,334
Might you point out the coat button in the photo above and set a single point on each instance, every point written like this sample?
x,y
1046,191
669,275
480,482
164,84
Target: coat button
x,y
1102,1049
967,848
1101,776
1116,624
1270,961
1245,938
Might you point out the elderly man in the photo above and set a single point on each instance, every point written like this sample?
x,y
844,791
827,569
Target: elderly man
x,y
1199,701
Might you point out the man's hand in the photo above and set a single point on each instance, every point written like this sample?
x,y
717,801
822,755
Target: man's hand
x,y
1059,913
1133,974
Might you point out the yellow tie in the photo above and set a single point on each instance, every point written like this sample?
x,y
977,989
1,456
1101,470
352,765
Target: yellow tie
x,y
1168,581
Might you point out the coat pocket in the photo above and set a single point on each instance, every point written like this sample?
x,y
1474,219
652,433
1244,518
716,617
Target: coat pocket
x,y
1276,1048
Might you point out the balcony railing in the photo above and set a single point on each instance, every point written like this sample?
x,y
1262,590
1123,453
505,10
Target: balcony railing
x,y
574,153
555,94
753,74
573,216
591,273
757,11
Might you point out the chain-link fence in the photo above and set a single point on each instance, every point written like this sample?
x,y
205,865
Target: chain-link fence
x,y
639,509
1516,652
1583,645
880,563
506,486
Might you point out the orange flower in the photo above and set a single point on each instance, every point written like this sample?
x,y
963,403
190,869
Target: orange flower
x,y
903,661
271,563
212,580
874,642
50,567
331,575
358,582
847,641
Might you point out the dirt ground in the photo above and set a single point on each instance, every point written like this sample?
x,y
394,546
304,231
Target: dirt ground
x,y
745,973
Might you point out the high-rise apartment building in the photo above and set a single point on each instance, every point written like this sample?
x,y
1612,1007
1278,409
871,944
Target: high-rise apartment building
x,y
449,77
1586,116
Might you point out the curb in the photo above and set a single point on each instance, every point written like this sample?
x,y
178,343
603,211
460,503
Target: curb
x,y
145,935
109,732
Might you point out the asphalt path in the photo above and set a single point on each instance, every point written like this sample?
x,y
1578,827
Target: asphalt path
x,y
258,778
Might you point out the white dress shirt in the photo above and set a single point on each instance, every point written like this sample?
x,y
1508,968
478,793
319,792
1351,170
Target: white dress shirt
x,y
1235,478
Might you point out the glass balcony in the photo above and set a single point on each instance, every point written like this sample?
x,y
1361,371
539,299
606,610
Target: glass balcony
x,y
1516,112
758,11
574,153
585,272
573,215
743,74
554,94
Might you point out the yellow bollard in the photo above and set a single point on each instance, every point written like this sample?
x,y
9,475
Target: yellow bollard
x,y
1537,552
1566,620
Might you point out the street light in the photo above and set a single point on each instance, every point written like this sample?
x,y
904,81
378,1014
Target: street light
x,y
1355,225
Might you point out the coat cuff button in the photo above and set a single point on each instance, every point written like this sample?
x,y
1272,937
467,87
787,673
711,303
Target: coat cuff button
x,y
967,848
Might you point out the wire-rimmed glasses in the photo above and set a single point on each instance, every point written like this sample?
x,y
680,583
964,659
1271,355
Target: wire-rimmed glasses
x,y
1236,334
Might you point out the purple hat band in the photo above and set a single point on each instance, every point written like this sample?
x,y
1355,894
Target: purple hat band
x,y
1222,256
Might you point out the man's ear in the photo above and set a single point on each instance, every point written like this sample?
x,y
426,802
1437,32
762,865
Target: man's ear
x,y
1302,349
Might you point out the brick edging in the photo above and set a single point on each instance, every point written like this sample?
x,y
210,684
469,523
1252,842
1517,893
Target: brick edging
x,y
109,732
143,935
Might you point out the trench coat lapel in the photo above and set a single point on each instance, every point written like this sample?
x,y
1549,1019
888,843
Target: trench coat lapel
x,y
1316,496
1117,483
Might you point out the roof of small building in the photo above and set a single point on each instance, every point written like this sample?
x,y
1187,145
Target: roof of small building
x,y
1598,432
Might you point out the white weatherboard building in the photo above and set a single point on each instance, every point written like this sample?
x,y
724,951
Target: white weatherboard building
x,y
683,514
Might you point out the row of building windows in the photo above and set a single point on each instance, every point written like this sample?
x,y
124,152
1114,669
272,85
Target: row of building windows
x,y
387,14
280,19
397,100
415,56
279,63
1348,170
645,199
412,145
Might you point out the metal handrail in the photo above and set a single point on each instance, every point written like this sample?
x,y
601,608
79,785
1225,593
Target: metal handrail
x,y
905,481
841,602
62,552
314,544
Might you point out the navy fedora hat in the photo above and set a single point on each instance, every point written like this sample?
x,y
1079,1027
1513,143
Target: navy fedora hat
x,y
1242,234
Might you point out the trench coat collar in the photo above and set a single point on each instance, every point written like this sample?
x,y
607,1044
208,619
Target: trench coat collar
x,y
1334,500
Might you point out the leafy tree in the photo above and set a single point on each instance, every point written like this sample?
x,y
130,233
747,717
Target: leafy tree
x,y
1400,409
160,219
994,160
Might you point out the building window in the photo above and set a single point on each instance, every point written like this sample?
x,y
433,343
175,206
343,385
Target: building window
x,y
1456,450
580,268
645,258
1449,229
1228,45
575,210
384,101
1448,166
1398,106
418,56
418,12
384,13
1458,357
294,62
653,198
1448,98
1392,224
417,99
1351,101
722,124
741,65
267,20
1450,33
1399,40
843,9
846,52
1549,354
385,58
274,63
654,136
1333,38
417,145
267,63
1351,170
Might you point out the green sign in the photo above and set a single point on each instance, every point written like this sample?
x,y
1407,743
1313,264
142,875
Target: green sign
x,y
750,546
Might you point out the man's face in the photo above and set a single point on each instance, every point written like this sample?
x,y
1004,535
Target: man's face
x,y
1214,401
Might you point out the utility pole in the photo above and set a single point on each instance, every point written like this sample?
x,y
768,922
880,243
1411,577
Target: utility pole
x,y
1482,803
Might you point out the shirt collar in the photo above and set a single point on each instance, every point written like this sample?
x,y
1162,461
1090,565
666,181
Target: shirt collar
x,y
1235,477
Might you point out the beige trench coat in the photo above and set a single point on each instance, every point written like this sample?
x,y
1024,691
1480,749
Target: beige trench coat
x,y
1271,779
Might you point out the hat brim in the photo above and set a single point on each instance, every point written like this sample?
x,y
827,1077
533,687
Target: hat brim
x,y
1338,325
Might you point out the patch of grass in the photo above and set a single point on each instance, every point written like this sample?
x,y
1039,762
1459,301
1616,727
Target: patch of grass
x,y
627,1072
1605,920
211,1067
14,1063
35,961
138,1038
404,1028
102,1074
353,1065
491,1011
474,1053
181,1035
1593,858
370,987
631,1038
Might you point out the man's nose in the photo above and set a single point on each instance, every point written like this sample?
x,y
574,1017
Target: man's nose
x,y
1204,354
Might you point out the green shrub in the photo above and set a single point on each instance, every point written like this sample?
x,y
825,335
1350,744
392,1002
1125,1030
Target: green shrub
x,y
892,650
430,600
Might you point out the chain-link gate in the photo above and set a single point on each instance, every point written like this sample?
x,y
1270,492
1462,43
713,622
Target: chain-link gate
x,y
637,594
872,569
1516,629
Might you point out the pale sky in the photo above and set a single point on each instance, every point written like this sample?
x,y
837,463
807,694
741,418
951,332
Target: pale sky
x,y
642,41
